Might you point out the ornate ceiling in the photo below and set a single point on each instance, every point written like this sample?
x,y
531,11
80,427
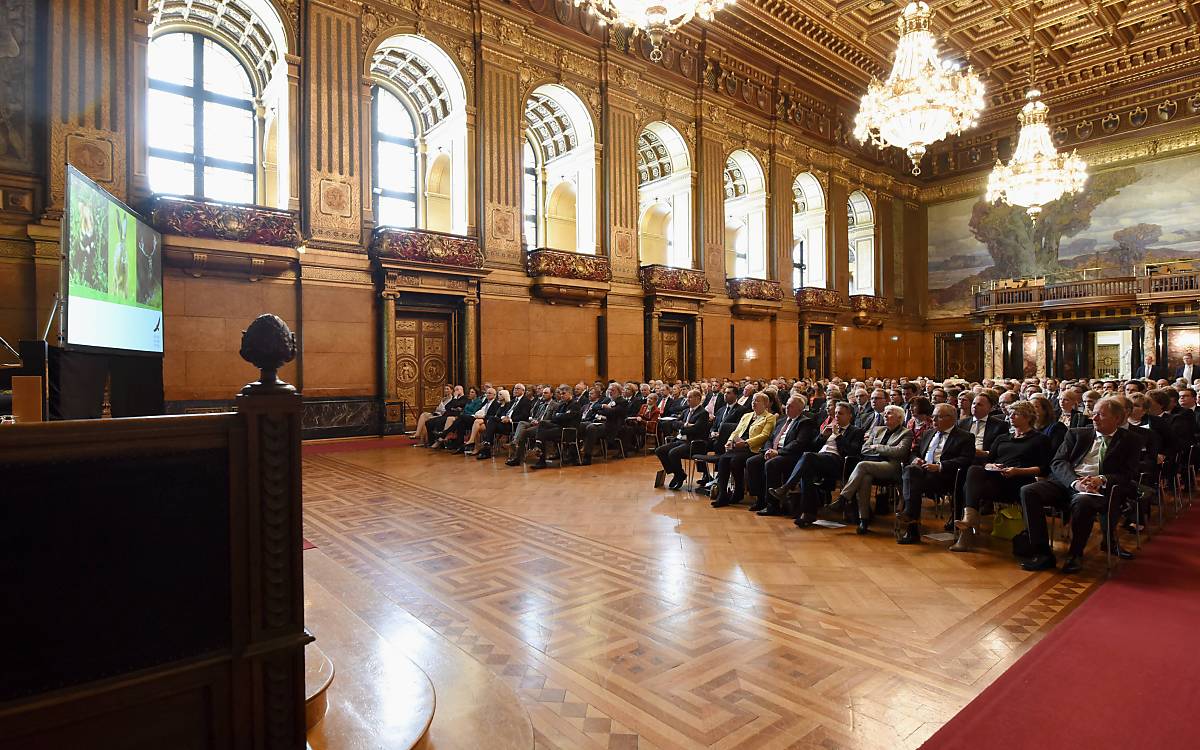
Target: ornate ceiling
x,y
1088,46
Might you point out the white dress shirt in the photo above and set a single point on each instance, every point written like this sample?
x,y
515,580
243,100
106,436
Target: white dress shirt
x,y
830,446
933,454
978,427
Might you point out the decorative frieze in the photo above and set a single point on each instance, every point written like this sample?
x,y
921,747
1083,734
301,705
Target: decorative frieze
x,y
814,298
224,221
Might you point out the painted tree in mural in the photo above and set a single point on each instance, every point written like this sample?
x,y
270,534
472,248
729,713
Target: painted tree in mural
x,y
1132,243
1020,248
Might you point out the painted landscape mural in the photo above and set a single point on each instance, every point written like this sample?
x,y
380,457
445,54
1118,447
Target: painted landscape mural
x,y
1125,218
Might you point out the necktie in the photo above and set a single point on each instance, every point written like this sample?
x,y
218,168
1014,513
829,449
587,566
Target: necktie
x,y
1103,450
782,432
878,419
933,446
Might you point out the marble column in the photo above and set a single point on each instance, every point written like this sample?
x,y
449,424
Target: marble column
x,y
655,345
1150,336
471,338
699,352
1043,341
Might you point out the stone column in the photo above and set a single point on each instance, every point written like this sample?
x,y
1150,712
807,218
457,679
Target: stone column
x,y
471,338
699,352
1043,342
139,183
987,351
804,349
499,133
387,349
1150,336
619,196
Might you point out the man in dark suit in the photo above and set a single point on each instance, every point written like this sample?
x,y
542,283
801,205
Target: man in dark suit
x,y
872,416
1091,463
605,423
693,425
834,450
940,454
725,419
794,436
1150,370
510,415
565,415
525,429
1188,372
984,427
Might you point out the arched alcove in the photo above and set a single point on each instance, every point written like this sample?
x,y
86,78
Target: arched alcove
x,y
560,160
861,243
809,248
664,197
745,216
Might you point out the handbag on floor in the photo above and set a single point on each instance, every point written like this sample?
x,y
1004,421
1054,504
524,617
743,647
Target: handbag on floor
x,y
1008,522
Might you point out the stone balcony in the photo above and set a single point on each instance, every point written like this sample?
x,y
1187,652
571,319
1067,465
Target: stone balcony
x,y
207,237
754,298
869,310
564,276
674,289
425,261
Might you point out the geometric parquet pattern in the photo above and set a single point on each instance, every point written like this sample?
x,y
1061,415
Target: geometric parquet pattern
x,y
627,617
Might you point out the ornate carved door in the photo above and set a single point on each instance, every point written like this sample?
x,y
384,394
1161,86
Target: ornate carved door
x,y
423,347
674,352
959,355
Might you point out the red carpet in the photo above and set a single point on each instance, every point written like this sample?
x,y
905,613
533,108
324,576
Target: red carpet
x,y
356,444
1121,671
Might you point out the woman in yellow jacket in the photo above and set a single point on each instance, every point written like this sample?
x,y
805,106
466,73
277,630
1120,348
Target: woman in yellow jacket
x,y
751,434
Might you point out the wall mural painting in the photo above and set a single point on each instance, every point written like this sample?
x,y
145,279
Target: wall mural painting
x,y
1125,218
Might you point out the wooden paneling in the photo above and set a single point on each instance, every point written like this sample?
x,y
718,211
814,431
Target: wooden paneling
x,y
959,355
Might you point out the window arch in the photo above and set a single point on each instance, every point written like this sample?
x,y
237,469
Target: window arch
x,y
419,98
559,167
861,244
217,101
808,232
745,216
664,197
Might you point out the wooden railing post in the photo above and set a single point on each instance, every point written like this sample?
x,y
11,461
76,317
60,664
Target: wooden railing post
x,y
269,629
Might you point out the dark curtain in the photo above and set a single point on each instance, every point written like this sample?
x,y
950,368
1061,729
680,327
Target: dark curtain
x,y
77,384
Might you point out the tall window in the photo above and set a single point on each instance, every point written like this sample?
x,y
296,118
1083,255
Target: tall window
x,y
745,216
529,195
861,245
201,120
395,162
798,265
741,255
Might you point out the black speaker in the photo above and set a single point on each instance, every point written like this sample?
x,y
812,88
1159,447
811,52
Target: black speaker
x,y
812,363
866,363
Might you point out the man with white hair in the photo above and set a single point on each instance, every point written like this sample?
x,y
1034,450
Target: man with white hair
x,y
939,455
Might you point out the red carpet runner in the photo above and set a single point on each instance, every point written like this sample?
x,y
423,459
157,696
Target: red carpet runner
x,y
357,444
1121,671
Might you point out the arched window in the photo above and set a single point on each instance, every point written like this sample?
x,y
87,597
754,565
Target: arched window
x,y
808,232
395,160
420,137
561,152
664,197
530,181
217,101
202,130
745,216
861,245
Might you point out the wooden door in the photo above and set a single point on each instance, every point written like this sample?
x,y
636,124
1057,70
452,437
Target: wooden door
x,y
959,355
423,364
674,354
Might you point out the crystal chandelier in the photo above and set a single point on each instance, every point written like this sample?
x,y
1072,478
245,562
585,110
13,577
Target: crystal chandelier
x,y
654,18
924,98
1037,174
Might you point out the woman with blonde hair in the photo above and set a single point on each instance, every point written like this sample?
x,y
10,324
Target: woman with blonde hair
x,y
503,397
751,434
1018,458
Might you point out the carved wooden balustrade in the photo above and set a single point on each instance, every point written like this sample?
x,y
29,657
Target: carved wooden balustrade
x,y
559,275
819,299
154,570
659,279
1166,287
427,248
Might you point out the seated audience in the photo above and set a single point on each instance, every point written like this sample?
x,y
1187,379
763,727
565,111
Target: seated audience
x,y
941,453
437,424
1092,463
835,448
522,434
885,450
505,421
1047,423
793,436
1015,460
605,424
692,426
984,426
421,434
559,417
749,436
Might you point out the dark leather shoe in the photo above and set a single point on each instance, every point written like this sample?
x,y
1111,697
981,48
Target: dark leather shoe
x,y
539,465
838,505
804,520
481,455
770,510
1122,553
1071,566
757,506
720,502
863,527
676,482
1041,562
512,462
779,493
912,536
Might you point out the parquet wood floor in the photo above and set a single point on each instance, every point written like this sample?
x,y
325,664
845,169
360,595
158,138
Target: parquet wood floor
x,y
626,616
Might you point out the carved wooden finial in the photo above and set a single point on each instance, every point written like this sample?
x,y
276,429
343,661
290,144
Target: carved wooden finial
x,y
268,344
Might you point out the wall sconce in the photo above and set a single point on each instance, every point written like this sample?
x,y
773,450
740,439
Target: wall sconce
x,y
958,335
895,338
750,355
